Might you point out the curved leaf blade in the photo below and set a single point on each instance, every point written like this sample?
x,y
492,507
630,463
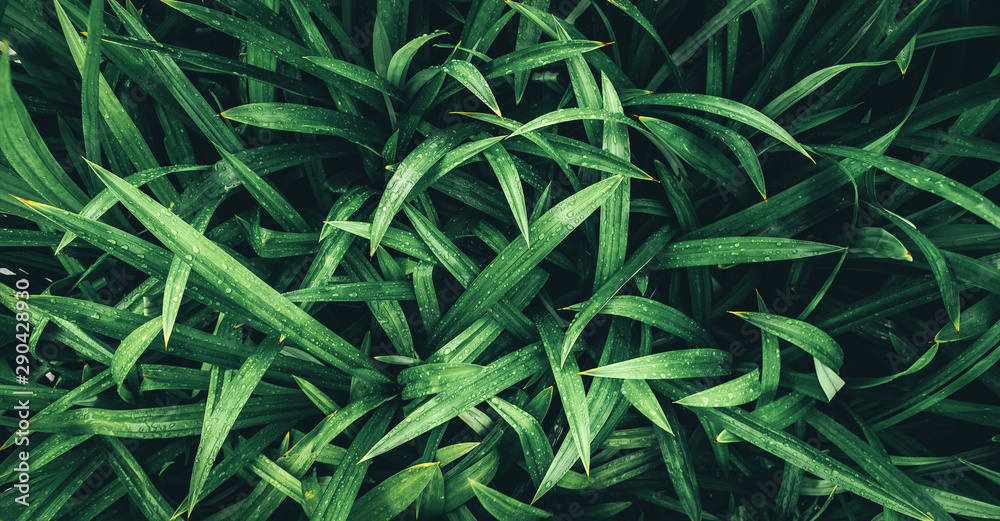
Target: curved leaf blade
x,y
743,389
687,363
810,338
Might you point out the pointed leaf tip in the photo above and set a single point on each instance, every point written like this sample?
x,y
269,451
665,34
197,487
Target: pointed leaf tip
x,y
25,201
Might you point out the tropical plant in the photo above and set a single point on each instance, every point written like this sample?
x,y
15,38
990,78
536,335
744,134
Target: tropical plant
x,y
473,259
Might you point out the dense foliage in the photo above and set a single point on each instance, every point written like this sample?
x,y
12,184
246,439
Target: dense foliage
x,y
474,259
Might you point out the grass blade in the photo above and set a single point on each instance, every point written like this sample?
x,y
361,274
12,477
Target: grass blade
x,y
510,182
590,309
149,500
504,507
501,374
738,391
737,250
473,80
570,387
680,466
638,393
132,347
537,451
215,264
923,179
517,259
810,338
687,363
392,496
658,315
401,59
221,415
308,120
722,107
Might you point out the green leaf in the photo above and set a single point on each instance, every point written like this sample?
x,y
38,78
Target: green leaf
x,y
308,120
222,408
738,391
977,319
354,292
779,414
501,374
517,259
357,74
685,363
613,232
572,114
829,381
23,147
537,451
810,338
706,158
528,35
403,241
923,179
91,80
176,85
962,505
149,500
737,250
634,13
570,387
590,309
905,55
392,496
400,62
132,347
642,398
940,267
510,182
209,260
428,379
810,83
659,315
177,277
458,489
696,42
679,464
770,361
505,507
414,167
537,56
801,454
473,80
934,38
722,107
740,146
339,496
876,242
991,475
920,363
465,271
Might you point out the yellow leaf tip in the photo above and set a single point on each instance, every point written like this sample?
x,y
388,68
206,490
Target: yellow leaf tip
x,y
25,201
